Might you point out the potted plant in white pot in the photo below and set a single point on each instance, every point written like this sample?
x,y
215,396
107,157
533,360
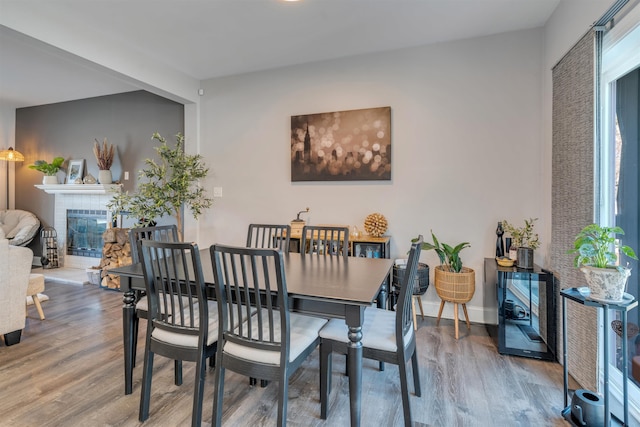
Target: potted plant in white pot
x,y
523,242
597,256
165,187
50,170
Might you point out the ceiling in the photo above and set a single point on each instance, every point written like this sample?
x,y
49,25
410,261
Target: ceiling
x,y
213,38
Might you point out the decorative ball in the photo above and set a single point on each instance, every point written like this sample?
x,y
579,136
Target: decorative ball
x,y
375,224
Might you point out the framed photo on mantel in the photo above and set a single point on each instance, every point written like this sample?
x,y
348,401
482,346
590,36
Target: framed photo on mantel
x,y
75,171
352,145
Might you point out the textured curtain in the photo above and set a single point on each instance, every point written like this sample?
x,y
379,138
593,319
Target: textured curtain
x,y
573,195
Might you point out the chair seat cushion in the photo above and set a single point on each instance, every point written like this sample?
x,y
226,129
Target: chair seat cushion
x,y
378,330
303,332
192,340
185,340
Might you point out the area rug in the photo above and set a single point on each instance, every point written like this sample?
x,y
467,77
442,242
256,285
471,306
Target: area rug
x,y
41,298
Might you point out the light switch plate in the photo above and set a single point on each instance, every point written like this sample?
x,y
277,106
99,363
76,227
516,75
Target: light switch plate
x,y
217,191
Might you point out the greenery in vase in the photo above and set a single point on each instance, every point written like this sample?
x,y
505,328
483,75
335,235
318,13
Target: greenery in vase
x,y
104,155
166,186
597,246
523,237
449,255
49,169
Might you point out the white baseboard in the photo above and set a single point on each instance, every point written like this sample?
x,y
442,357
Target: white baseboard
x,y
483,315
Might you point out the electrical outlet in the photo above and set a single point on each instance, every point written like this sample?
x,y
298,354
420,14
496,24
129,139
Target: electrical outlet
x,y
217,191
126,175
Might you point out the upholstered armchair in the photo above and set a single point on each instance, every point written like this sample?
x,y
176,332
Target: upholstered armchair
x,y
15,267
19,226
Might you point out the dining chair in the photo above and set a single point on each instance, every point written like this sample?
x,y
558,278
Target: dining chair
x,y
387,336
273,342
325,240
269,236
160,233
182,324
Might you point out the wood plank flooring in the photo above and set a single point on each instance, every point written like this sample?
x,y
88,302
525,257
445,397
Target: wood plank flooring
x,y
67,371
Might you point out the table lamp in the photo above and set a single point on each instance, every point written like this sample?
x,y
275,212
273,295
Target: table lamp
x,y
10,155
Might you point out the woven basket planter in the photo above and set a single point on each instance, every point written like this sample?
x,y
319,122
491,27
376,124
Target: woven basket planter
x,y
455,287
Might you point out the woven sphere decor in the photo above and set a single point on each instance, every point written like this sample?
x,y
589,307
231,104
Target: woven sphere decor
x,y
375,224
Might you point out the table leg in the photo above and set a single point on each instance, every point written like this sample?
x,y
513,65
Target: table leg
x,y
128,333
354,319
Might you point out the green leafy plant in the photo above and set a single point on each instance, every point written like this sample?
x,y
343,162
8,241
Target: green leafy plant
x,y
449,255
523,237
49,169
597,246
166,186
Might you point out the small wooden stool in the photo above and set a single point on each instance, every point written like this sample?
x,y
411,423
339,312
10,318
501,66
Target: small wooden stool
x,y
36,285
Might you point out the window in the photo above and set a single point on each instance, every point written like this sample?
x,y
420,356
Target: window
x,y
619,186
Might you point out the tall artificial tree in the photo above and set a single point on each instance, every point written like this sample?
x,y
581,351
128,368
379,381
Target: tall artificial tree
x,y
165,186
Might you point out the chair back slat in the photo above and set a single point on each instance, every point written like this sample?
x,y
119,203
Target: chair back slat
x,y
325,240
160,233
404,318
175,286
269,236
251,281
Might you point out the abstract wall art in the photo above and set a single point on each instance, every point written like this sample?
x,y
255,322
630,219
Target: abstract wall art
x,y
352,145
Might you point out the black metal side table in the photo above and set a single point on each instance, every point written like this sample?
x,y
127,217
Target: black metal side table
x,y
575,294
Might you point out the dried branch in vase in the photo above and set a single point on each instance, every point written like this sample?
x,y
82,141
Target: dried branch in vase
x,y
104,155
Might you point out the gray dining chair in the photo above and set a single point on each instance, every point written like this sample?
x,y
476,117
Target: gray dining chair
x,y
159,233
325,240
387,336
269,236
182,323
273,342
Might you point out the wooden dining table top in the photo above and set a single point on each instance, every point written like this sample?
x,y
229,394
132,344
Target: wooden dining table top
x,y
352,279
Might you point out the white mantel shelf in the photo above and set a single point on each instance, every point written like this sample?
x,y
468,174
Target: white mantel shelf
x,y
79,188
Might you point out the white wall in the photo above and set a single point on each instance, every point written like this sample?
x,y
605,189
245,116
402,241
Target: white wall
x,y
466,146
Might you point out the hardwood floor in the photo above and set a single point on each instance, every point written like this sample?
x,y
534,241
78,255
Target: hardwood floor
x,y
67,371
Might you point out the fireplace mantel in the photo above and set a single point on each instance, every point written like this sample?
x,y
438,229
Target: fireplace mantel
x,y
79,188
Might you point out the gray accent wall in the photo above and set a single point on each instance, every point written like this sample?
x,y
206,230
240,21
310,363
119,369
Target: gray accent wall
x,y
68,129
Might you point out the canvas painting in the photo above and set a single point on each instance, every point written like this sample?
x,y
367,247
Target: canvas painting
x,y
352,145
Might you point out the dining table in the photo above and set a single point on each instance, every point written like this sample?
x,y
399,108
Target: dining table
x,y
322,285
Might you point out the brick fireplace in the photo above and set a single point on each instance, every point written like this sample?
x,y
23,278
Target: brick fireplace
x,y
91,198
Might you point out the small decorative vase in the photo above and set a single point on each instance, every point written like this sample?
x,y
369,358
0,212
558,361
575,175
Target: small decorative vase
x,y
606,284
50,180
525,258
104,177
513,253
